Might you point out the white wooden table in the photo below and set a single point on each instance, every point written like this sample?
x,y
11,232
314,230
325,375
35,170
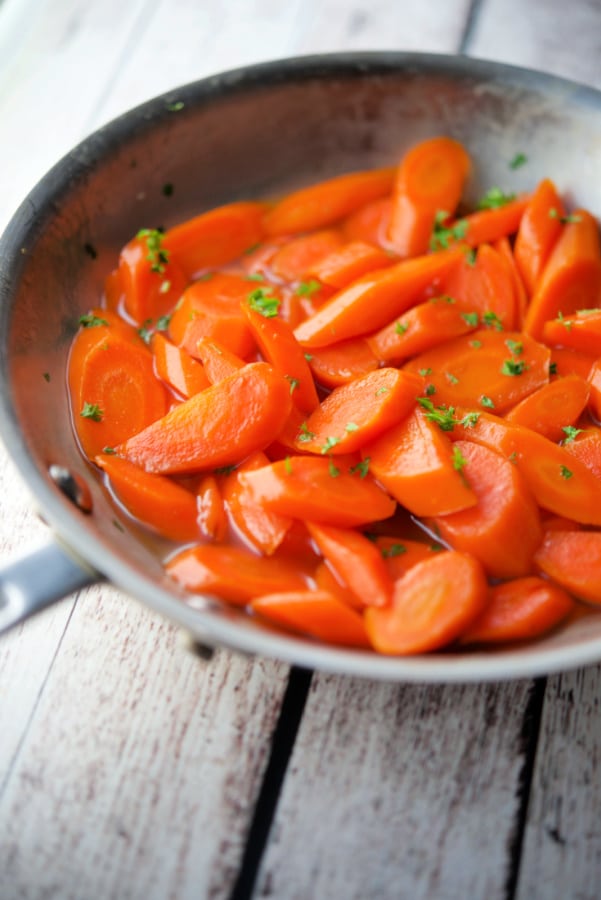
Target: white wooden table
x,y
131,769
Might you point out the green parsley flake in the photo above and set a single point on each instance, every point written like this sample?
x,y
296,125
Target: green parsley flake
x,y
361,468
288,465
452,379
351,426
330,442
308,357
110,451
262,302
571,433
471,318
442,236
255,276
495,198
91,411
175,107
512,458
224,470
424,372
515,347
565,220
565,472
165,287
486,401
157,256
553,368
393,550
513,367
470,256
459,460
333,469
308,288
91,321
476,344
519,160
382,390
304,435
46,376
401,327
294,383
430,389
565,322
491,320
163,323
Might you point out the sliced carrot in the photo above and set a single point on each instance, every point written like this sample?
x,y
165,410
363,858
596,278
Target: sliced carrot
x,y
485,286
158,502
519,610
217,427
570,362
298,256
559,523
414,462
317,613
486,368
552,407
262,529
211,512
97,328
374,299
430,179
356,560
234,574
277,343
348,263
359,411
326,579
210,308
370,223
594,380
421,328
489,225
151,282
503,530
401,554
586,447
539,231
217,360
314,489
215,237
503,247
559,482
177,368
341,363
320,205
581,332
573,560
433,604
571,279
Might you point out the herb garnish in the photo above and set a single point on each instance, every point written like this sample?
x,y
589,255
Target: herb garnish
x,y
495,198
91,411
262,302
442,236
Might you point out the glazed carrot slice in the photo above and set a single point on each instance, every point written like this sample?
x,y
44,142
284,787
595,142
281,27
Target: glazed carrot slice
x,y
320,205
319,614
298,256
552,407
356,560
421,328
359,411
177,368
414,462
503,530
594,380
401,554
433,604
277,343
151,282
485,287
374,299
503,247
97,328
212,519
573,560
234,574
430,179
343,362
570,362
490,225
217,360
519,610
215,237
210,308
571,279
326,579
370,223
581,332
586,447
559,523
314,489
539,231
114,392
348,263
158,502
559,482
486,368
262,529
217,427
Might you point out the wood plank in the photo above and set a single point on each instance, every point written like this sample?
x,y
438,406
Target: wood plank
x,y
140,771
562,847
551,35
399,791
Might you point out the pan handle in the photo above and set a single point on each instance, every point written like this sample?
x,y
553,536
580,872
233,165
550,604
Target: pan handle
x,y
29,584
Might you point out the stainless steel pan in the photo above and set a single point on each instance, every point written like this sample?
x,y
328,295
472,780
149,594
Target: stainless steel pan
x,y
243,134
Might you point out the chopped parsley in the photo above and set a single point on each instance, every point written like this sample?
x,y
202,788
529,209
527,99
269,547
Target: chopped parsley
x,y
330,442
430,389
91,321
553,368
459,460
351,426
565,220
224,470
471,318
308,288
486,401
382,390
571,433
513,367
262,302
110,451
163,323
91,411
495,198
175,107
476,344
444,416
491,320
565,322
46,376
565,472
519,160
333,469
401,327
361,468
515,347
157,256
304,435
452,379
308,357
393,550
470,256
443,236
255,276
165,287
288,465
294,383
424,372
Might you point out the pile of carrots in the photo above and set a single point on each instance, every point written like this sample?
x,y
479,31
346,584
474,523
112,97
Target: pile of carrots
x,y
359,411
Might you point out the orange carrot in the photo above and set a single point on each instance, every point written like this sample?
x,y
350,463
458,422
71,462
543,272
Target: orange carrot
x,y
487,368
370,223
594,380
570,362
314,489
485,287
217,427
489,225
552,407
277,343
432,605
573,560
414,462
341,363
156,501
519,610
503,530
262,529
320,205
356,560
217,360
317,613
429,181
211,512
359,411
539,231
401,554
503,247
210,308
571,279
348,263
151,282
297,257
421,328
326,579
586,447
581,332
215,237
374,299
234,574
559,523
176,368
